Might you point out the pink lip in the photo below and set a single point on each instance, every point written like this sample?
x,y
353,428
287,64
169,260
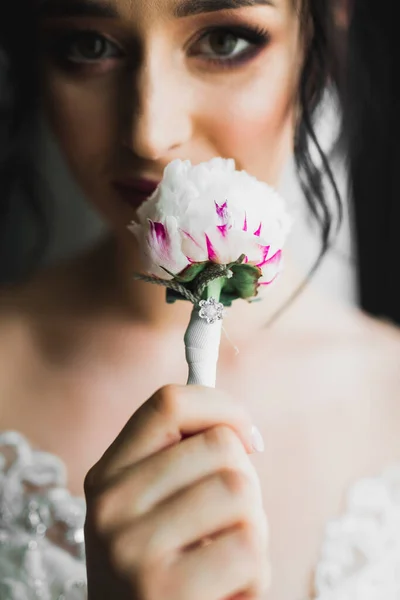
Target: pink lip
x,y
135,191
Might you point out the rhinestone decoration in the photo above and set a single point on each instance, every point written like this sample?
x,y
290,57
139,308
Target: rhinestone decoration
x,y
211,310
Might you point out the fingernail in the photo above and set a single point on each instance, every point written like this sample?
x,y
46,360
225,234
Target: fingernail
x,y
257,440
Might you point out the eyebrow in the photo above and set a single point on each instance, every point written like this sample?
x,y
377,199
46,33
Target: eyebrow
x,y
187,8
108,10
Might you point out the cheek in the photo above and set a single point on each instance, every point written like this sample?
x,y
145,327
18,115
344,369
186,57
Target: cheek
x,y
256,124
83,125
84,118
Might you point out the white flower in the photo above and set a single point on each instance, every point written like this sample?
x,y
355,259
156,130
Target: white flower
x,y
211,212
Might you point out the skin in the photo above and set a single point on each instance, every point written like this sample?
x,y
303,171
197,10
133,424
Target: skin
x,y
93,346
136,118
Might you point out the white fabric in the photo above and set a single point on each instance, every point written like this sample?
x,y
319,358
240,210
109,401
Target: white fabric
x,y
41,534
41,526
360,557
202,341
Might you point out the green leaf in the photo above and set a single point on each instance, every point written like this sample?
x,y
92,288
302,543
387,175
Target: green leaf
x,y
227,299
244,283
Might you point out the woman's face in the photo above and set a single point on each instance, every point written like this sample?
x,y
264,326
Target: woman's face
x,y
130,85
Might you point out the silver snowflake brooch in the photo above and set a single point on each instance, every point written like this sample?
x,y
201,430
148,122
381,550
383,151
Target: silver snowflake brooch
x,y
211,310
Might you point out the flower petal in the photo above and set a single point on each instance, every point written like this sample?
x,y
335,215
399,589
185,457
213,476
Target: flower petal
x,y
191,238
159,242
265,251
223,229
258,232
222,211
159,233
161,248
210,212
212,255
271,268
192,248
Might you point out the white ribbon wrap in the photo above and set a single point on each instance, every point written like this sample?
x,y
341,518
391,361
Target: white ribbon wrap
x,y
202,341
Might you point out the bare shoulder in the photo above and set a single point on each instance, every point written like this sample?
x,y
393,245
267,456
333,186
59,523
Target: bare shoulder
x,y
380,345
385,332
373,343
384,341
376,359
351,366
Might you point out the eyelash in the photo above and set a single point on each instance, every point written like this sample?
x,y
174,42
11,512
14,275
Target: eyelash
x,y
258,38
62,48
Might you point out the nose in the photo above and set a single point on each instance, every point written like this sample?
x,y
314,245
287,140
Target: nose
x,y
159,119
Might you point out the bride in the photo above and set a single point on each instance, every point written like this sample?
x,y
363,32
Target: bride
x,y
284,482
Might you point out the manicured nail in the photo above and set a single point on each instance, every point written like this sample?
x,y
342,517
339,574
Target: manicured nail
x,y
257,440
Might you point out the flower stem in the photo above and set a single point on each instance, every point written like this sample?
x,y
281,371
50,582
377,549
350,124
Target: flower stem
x,y
202,340
214,288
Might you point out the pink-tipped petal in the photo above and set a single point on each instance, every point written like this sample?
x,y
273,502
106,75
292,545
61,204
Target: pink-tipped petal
x,y
223,229
222,210
158,232
273,278
265,283
159,241
258,232
271,268
212,255
191,238
265,251
245,222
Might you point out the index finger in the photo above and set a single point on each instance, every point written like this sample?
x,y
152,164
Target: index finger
x,y
172,413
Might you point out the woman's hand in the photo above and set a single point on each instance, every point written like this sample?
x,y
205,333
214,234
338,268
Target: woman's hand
x,y
174,505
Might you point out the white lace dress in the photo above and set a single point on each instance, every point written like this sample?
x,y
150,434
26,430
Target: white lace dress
x,y
42,546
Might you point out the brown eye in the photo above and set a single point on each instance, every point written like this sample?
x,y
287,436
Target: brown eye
x,y
223,43
229,44
90,47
